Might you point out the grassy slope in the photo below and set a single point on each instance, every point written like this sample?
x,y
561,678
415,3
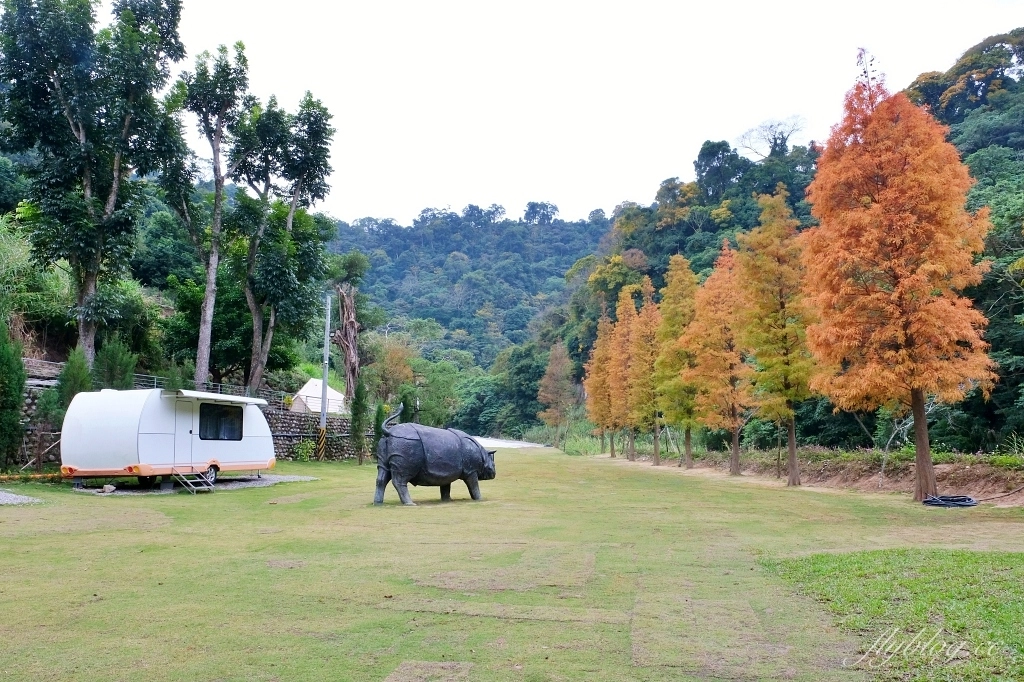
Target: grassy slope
x,y
969,607
570,569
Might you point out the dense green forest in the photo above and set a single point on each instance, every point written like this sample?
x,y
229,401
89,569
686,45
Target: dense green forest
x,y
479,274
456,313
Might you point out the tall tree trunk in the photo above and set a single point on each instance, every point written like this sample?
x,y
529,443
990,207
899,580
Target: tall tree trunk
x,y
688,451
657,443
674,442
87,327
926,484
632,445
206,318
778,454
611,439
212,263
602,441
260,362
256,311
347,335
794,465
260,344
734,456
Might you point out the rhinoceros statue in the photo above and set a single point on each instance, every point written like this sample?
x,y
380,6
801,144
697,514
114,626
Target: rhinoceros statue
x,y
423,455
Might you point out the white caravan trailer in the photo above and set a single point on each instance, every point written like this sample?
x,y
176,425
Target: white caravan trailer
x,y
163,432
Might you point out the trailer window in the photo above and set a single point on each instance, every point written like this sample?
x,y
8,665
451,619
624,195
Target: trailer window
x,y
220,422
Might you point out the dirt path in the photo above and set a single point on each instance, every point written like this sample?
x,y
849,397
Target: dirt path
x,y
980,481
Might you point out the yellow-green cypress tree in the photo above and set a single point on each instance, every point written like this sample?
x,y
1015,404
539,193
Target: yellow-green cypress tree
x,y
676,398
595,380
774,318
643,404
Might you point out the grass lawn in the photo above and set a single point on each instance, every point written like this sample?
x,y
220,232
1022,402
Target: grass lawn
x,y
963,606
570,569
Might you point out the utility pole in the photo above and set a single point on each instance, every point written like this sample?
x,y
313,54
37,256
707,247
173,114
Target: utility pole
x,y
321,439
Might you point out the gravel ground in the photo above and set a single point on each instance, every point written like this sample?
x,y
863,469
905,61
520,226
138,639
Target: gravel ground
x,y
502,443
232,483
7,497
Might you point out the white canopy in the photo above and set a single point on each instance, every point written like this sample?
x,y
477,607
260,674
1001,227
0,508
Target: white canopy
x,y
220,397
309,396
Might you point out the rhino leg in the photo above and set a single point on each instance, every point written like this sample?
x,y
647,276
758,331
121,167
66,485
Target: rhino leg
x,y
402,487
446,492
473,483
383,477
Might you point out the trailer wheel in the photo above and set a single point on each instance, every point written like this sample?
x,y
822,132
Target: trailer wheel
x,y
146,481
211,475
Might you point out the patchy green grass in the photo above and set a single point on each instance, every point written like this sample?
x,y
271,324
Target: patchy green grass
x,y
571,568
966,609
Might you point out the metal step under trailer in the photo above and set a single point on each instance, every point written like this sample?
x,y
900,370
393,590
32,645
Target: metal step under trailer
x,y
193,481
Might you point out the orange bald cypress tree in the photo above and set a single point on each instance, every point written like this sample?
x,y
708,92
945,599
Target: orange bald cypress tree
x,y
774,316
676,397
595,381
886,266
643,403
717,363
555,391
618,368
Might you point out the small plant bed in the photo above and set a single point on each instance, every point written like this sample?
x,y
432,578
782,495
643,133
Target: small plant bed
x,y
932,615
31,477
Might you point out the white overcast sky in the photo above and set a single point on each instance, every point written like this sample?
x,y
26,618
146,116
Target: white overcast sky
x,y
583,104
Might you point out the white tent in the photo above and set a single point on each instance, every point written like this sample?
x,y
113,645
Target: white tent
x,y
309,396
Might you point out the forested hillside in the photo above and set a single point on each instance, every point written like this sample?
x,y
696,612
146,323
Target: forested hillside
x,y
481,275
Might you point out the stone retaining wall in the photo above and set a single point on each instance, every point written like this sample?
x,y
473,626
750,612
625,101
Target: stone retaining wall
x,y
291,428
38,437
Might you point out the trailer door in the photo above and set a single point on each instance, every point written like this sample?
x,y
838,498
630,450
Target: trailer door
x,y
183,431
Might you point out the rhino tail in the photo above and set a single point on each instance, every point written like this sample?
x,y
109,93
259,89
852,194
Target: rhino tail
x,y
392,418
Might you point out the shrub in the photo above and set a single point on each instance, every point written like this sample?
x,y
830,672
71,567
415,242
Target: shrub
x,y
378,426
177,376
408,399
114,366
285,380
74,378
1014,462
304,450
49,409
12,388
359,414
